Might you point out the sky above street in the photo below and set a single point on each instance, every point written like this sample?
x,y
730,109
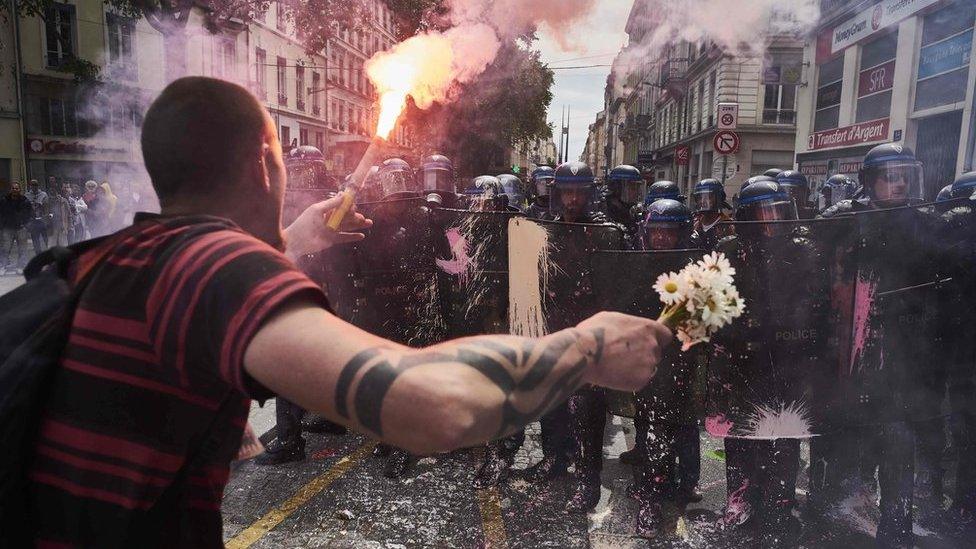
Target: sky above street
x,y
595,41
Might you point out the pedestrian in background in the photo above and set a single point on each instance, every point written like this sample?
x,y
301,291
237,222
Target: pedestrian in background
x,y
91,218
40,221
109,213
15,213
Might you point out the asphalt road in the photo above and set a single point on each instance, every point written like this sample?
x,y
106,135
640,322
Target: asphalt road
x,y
9,282
339,498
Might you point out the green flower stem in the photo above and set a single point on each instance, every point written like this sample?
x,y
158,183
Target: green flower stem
x,y
674,315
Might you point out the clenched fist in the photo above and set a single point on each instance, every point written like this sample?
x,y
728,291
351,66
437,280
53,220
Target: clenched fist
x,y
632,347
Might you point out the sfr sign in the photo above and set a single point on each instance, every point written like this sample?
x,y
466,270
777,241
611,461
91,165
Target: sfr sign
x,y
876,79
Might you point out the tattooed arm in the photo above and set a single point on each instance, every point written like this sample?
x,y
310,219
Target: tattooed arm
x,y
456,394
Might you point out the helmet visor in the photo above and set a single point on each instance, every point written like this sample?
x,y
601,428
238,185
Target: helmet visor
x,y
708,200
797,193
394,182
543,185
895,183
771,210
438,180
631,191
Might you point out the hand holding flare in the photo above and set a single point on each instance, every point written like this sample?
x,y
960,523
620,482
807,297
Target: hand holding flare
x,y
700,299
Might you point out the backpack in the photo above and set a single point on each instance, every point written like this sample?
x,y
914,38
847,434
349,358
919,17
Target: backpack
x,y
36,320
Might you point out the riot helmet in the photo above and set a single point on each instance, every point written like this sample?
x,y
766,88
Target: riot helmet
x,y
891,175
395,179
709,196
765,201
542,178
964,186
796,184
437,174
837,188
773,172
573,192
663,189
512,187
667,225
625,182
945,194
486,194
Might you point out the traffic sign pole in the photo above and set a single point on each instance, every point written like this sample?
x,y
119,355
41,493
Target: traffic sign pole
x,y
725,167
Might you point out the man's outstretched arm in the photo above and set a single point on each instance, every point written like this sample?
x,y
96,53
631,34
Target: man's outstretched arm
x,y
456,394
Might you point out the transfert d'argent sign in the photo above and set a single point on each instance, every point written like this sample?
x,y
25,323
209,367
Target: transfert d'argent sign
x,y
858,134
874,19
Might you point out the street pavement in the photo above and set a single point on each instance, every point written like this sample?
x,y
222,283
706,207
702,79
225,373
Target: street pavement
x,y
9,282
339,498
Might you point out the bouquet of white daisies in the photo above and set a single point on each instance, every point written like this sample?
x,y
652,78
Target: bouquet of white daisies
x,y
700,299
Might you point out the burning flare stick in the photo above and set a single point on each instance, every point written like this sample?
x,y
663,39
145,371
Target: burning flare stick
x,y
356,182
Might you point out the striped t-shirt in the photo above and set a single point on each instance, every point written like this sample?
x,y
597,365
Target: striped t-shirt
x,y
156,348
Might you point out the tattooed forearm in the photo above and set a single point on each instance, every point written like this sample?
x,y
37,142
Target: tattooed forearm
x,y
533,375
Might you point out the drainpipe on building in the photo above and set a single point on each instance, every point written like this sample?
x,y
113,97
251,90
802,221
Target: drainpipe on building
x,y
19,75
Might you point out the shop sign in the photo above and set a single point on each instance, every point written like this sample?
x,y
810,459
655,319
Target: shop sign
x,y
877,79
39,146
946,55
813,168
866,132
873,19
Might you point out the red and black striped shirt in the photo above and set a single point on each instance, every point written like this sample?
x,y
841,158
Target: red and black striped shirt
x,y
155,349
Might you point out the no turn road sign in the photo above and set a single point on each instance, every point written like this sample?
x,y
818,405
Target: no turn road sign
x,y
726,142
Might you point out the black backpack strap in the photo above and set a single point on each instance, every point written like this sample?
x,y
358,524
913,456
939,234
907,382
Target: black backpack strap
x,y
60,258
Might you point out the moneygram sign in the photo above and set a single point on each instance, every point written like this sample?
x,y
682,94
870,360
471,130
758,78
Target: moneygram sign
x,y
874,19
867,132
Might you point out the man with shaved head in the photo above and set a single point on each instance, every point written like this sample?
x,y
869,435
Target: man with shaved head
x,y
193,313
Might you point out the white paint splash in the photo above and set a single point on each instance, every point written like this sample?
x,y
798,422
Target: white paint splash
x,y
528,277
778,421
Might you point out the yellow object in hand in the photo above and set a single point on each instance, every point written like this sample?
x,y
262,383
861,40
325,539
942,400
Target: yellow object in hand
x,y
335,220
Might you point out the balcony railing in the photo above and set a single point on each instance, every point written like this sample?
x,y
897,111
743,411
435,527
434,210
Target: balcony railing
x,y
776,116
301,105
282,99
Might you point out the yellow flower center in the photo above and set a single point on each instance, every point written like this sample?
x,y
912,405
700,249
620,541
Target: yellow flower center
x,y
671,287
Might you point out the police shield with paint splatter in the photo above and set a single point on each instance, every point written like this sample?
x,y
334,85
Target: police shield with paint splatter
x,y
758,399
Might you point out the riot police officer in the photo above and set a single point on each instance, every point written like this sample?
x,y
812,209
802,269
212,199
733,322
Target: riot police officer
x,y
890,177
486,194
837,188
513,189
437,180
624,190
666,422
663,189
574,195
796,184
762,361
773,173
395,180
542,179
709,202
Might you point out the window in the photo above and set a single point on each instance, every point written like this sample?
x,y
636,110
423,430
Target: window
x,y
303,136
316,90
828,95
765,160
712,101
319,141
281,22
333,65
282,81
701,103
943,63
57,116
876,78
286,136
59,29
780,79
342,117
225,58
300,87
261,72
120,59
333,116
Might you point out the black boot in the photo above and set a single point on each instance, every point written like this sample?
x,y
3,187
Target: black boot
x,y
548,468
586,495
493,470
687,494
278,453
382,450
397,464
649,519
322,426
630,457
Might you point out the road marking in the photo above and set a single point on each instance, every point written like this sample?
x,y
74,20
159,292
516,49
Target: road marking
x,y
276,516
489,503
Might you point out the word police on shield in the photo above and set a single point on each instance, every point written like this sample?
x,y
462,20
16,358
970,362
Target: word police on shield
x,y
726,142
728,116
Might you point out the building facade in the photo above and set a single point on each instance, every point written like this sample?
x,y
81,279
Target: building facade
x,y
889,70
662,111
83,75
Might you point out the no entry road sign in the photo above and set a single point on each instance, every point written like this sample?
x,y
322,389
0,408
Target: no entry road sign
x,y
726,142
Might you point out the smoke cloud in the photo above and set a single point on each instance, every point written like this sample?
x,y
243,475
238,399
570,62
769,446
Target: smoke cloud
x,y
741,28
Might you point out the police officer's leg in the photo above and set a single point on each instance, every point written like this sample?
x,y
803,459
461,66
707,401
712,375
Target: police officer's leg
x,y
688,449
896,478
779,463
499,457
658,475
558,446
589,410
740,481
962,405
288,445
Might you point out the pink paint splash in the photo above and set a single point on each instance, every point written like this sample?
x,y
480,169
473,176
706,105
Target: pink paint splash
x,y
718,426
737,509
461,264
864,292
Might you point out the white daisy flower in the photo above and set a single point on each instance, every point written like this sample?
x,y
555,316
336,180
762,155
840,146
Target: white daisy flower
x,y
671,288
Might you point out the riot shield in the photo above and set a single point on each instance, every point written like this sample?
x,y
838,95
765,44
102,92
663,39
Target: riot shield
x,y
766,361
386,284
471,250
550,276
623,281
896,360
